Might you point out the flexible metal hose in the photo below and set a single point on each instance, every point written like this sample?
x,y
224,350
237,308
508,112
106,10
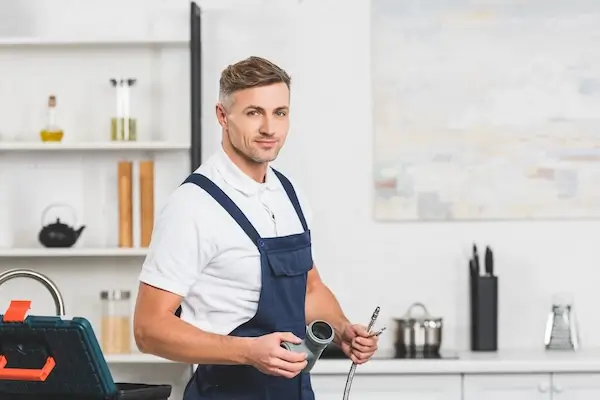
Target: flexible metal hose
x,y
353,366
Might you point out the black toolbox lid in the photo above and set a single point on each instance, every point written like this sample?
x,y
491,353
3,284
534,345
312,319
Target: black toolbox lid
x,y
54,358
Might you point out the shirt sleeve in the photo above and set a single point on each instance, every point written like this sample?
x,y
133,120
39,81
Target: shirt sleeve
x,y
178,251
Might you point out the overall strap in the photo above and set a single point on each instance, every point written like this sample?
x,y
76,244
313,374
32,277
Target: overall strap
x,y
289,189
225,202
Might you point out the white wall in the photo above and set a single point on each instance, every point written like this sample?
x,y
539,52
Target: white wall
x,y
329,153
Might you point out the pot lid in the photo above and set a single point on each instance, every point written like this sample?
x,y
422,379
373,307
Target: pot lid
x,y
422,316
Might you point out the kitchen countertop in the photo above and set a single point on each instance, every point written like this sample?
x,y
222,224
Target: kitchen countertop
x,y
512,361
518,361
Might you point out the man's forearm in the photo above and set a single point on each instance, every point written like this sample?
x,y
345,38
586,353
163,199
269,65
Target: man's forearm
x,y
321,304
174,339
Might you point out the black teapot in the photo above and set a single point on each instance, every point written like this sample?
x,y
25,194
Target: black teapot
x,y
58,234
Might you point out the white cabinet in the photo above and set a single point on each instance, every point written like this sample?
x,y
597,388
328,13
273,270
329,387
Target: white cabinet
x,y
576,386
389,387
558,386
507,386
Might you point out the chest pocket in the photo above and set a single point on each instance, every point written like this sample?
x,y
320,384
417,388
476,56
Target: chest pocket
x,y
291,263
288,255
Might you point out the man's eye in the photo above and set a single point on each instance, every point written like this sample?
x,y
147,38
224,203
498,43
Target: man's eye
x,y
252,113
281,113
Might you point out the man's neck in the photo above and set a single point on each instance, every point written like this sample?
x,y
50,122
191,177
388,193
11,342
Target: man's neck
x,y
256,171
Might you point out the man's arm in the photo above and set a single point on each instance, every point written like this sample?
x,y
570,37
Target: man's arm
x,y
322,304
177,255
158,331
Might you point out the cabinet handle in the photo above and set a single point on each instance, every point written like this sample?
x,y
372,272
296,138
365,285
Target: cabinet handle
x,y
543,387
558,389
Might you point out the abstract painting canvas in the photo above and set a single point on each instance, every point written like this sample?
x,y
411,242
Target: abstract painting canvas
x,y
486,112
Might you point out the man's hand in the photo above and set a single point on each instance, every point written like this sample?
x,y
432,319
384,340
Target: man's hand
x,y
267,355
358,344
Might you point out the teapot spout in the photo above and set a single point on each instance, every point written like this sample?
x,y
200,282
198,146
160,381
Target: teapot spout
x,y
79,231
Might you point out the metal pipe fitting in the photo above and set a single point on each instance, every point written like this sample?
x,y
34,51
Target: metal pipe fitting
x,y
319,334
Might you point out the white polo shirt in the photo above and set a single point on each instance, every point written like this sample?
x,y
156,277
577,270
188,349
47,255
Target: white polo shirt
x,y
199,252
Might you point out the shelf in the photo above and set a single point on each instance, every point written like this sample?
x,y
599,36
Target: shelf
x,y
57,42
93,146
136,358
73,252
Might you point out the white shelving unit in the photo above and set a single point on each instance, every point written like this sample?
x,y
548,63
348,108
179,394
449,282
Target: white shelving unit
x,y
9,146
59,42
72,252
152,45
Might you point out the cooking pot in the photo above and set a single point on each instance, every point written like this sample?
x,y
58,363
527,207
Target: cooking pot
x,y
418,333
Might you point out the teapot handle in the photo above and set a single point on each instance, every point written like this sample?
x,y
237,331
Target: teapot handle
x,y
56,205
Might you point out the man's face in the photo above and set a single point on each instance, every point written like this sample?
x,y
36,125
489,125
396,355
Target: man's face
x,y
256,122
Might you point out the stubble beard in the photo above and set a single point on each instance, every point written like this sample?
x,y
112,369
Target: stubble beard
x,y
253,156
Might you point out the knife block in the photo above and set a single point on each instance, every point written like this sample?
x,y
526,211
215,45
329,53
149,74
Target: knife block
x,y
484,313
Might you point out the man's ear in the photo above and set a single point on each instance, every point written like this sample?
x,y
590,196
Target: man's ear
x,y
221,115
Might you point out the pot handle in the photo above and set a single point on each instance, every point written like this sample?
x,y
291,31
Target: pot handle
x,y
409,313
57,205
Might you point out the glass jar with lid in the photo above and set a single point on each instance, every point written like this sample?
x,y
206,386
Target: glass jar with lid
x,y
116,321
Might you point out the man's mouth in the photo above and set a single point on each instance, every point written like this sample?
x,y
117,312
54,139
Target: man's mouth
x,y
266,143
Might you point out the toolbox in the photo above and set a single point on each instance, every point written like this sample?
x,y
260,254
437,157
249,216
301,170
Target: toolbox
x,y
54,358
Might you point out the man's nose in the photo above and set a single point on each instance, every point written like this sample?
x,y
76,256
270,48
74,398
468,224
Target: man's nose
x,y
266,127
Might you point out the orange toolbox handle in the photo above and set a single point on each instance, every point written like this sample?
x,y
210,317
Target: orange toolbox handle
x,y
21,374
16,313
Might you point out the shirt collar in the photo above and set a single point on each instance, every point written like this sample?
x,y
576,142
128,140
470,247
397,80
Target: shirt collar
x,y
238,179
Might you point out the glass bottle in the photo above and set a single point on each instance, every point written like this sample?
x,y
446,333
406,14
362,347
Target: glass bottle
x,y
116,321
122,125
51,132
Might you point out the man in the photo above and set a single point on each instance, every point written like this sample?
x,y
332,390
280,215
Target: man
x,y
232,247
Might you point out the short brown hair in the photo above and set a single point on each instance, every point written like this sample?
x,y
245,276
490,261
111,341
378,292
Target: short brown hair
x,y
248,73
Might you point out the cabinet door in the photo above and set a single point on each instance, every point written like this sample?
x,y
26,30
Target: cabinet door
x,y
576,386
507,386
389,387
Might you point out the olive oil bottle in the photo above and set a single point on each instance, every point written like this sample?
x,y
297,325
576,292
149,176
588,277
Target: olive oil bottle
x,y
122,125
51,132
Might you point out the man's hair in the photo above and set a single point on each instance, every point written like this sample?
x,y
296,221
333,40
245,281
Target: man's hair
x,y
249,73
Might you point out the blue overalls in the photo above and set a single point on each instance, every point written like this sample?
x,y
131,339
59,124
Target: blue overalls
x,y
284,262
